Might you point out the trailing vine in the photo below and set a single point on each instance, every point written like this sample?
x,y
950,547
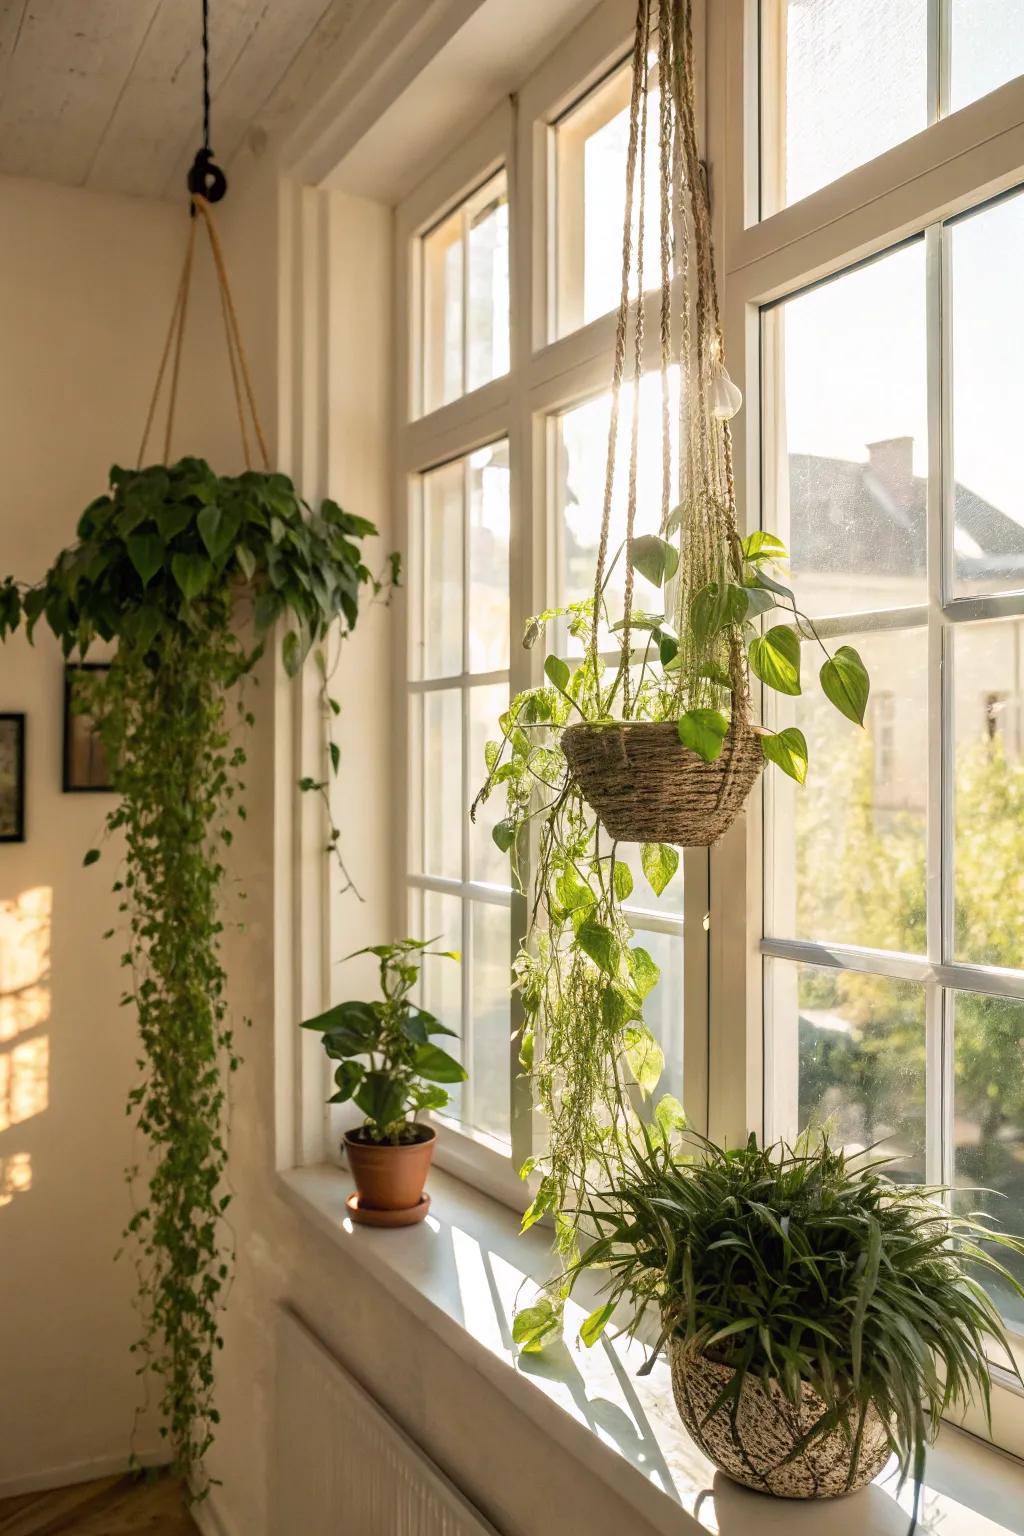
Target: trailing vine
x,y
187,573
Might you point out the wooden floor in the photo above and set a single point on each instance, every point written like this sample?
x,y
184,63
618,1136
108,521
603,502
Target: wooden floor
x,y
113,1506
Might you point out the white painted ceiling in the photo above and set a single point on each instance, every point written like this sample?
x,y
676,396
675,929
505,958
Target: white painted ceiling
x,y
106,93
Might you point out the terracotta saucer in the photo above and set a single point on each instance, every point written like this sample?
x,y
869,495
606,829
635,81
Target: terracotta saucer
x,y
367,1216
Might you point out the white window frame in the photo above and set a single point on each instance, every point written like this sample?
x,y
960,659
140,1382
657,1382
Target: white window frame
x,y
547,375
959,162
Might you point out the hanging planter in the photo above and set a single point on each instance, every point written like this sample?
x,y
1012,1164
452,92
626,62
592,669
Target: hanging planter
x,y
187,573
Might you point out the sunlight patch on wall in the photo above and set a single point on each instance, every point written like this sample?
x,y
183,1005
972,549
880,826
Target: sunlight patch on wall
x,y
25,962
24,1081
15,1176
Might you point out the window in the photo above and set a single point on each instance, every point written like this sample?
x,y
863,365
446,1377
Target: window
x,y
844,80
465,296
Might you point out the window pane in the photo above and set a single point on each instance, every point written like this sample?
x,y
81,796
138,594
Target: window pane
x,y
590,154
490,984
987,47
580,468
843,81
663,1008
846,436
443,809
486,861
465,296
487,331
988,672
488,558
988,397
441,980
849,1053
988,1123
440,640
849,846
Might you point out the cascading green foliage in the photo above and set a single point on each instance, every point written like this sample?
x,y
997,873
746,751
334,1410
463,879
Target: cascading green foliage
x,y
166,567
802,1265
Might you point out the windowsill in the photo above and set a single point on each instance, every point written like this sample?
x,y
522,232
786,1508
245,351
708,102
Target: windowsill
x,y
460,1271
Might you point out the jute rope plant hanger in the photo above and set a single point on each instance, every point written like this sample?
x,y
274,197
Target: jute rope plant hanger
x,y
636,774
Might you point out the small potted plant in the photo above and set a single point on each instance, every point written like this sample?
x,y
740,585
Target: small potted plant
x,y
818,1316
391,1069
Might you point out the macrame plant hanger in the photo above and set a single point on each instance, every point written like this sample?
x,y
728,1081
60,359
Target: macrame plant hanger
x,y
207,184
644,785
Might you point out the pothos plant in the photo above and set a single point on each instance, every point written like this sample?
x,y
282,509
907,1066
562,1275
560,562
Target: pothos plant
x,y
581,977
390,1066
167,567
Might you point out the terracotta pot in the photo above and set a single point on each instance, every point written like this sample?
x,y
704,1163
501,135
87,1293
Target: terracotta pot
x,y
767,1427
390,1178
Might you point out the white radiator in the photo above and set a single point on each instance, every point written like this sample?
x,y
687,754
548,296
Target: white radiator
x,y
343,1467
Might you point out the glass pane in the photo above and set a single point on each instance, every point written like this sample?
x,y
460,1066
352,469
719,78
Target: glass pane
x,y
442,313
440,640
848,847
465,296
988,397
987,46
590,150
490,984
441,980
443,807
988,674
842,81
663,1007
486,861
846,444
849,1053
988,1123
488,558
580,470
487,330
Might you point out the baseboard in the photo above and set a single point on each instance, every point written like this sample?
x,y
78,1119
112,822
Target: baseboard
x,y
77,1472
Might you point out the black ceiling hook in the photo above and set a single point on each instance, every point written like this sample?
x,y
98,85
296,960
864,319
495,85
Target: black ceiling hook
x,y
205,179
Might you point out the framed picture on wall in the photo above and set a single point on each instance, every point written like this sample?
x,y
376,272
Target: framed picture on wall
x,y
12,778
85,761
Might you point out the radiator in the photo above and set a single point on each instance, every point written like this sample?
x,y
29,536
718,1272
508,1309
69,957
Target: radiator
x,y
342,1466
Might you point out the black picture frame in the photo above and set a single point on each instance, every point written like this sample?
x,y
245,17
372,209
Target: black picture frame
x,y
80,737
12,826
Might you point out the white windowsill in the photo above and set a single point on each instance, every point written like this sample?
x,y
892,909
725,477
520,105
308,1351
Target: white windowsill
x,y
460,1273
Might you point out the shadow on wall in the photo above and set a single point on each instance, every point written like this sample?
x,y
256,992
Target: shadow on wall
x,y
25,923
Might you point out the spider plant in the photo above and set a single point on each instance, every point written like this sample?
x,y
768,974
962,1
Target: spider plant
x,y
804,1264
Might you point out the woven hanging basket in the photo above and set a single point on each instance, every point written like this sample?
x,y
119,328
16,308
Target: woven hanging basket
x,y
643,784
646,787
757,1449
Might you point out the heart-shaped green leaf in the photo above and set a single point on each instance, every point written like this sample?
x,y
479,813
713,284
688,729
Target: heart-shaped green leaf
x,y
654,558
557,672
846,683
192,573
775,659
788,750
146,553
659,863
645,1058
703,731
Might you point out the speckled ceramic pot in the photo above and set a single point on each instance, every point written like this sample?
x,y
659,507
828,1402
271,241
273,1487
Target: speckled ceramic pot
x,y
768,1426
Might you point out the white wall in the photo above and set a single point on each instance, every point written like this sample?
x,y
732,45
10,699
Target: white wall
x,y
86,283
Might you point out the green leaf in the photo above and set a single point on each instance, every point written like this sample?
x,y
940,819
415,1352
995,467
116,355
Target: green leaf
x,y
437,1066
503,835
267,610
645,1057
381,1097
347,1077
645,973
788,749
762,546
659,863
703,731
592,1329
669,1116
546,1199
291,653
846,683
759,600
533,1325
246,560
335,752
557,672
600,943
91,857
622,880
775,659
192,573
146,553
654,558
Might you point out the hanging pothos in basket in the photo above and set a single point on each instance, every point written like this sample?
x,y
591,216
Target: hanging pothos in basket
x,y
642,730
185,572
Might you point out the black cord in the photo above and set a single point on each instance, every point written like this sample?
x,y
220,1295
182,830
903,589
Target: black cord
x,y
206,179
